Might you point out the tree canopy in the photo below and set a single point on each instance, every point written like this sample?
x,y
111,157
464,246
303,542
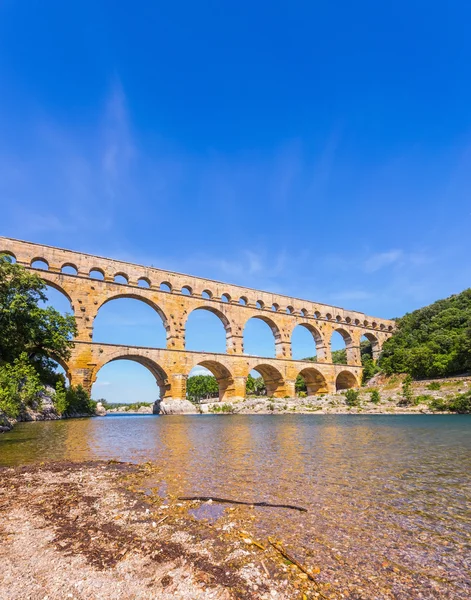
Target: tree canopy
x,y
434,341
42,333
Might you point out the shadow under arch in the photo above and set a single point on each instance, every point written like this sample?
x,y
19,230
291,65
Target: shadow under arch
x,y
375,345
143,299
155,369
348,340
345,380
315,381
222,375
318,338
274,329
220,315
273,379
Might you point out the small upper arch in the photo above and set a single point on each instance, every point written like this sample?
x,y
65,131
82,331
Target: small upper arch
x,y
69,269
40,263
9,254
225,298
121,278
165,286
303,312
96,273
289,310
143,282
259,304
187,290
275,307
207,294
243,301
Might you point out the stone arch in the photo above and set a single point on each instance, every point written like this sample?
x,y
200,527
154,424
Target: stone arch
x,y
315,381
319,340
351,351
144,282
165,286
69,265
8,253
122,275
274,329
207,294
51,283
187,290
345,380
375,344
221,316
96,270
222,375
226,298
39,259
273,379
157,371
143,299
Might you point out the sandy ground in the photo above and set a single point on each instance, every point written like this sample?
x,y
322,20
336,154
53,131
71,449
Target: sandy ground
x,y
89,531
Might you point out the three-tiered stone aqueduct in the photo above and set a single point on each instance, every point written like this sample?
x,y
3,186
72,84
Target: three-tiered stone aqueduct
x,y
174,296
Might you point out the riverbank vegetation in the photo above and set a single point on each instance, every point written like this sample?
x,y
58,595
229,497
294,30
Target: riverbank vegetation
x,y
33,340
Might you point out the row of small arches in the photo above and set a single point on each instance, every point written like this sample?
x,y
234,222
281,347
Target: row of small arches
x,y
166,286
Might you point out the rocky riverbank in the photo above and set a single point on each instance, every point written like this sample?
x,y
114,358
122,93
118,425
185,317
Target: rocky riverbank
x,y
93,530
388,400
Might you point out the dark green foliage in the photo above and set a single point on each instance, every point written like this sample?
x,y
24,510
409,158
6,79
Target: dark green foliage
x,y
407,394
434,341
352,397
78,402
434,385
19,386
201,387
255,386
339,357
460,404
375,398
423,399
300,386
43,333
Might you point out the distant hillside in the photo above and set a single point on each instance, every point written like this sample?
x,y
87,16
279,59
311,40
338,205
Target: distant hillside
x,y
434,341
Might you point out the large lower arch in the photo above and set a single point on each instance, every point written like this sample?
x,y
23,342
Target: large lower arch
x,y
345,380
315,381
223,377
156,370
221,316
274,329
273,379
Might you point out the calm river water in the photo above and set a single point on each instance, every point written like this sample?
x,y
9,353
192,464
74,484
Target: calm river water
x,y
389,497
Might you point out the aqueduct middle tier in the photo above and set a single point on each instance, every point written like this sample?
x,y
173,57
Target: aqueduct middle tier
x,y
90,281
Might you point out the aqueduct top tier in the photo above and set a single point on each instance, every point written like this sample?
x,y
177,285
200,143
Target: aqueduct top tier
x,y
90,281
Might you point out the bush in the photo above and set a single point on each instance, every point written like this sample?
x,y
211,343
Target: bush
x,y
407,394
434,385
78,402
352,397
271,406
461,404
221,408
438,405
19,386
60,398
302,395
375,398
423,399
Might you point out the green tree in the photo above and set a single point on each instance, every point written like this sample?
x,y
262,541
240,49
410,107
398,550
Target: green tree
x,y
60,398
42,333
19,386
434,341
199,387
407,393
255,386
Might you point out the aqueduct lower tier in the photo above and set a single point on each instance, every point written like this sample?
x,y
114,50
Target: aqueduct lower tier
x,y
90,281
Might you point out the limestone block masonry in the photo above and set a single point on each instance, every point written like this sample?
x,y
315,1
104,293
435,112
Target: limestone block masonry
x,y
90,281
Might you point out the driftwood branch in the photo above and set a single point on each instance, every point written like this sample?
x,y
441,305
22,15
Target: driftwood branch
x,y
228,501
279,548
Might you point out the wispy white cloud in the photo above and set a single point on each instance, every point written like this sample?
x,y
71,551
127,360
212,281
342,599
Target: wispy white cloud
x,y
383,259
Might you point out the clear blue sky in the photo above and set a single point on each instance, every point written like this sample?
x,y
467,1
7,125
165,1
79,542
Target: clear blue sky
x,y
317,149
